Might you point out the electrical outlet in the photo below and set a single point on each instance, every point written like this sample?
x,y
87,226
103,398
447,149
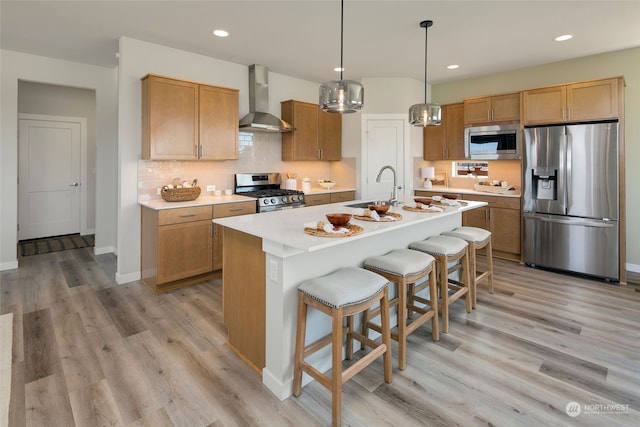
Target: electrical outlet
x,y
273,270
211,188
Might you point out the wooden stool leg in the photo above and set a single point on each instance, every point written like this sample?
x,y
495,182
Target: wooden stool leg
x,y
433,300
474,272
349,349
467,280
444,292
386,334
336,368
300,337
490,265
402,323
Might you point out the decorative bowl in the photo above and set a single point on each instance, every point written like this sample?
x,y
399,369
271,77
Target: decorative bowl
x,y
339,219
451,196
380,207
324,183
423,200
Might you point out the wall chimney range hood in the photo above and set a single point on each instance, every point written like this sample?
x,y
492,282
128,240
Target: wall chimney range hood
x,y
258,120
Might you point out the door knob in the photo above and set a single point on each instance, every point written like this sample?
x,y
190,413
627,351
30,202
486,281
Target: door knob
x,y
75,184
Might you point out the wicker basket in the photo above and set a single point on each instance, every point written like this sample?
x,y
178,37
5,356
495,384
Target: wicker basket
x,y
180,194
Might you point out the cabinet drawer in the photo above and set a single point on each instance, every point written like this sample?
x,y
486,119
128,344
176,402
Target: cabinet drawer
x,y
316,199
232,209
495,201
342,196
179,215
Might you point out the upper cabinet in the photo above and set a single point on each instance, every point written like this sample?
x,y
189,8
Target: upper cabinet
x,y
492,109
592,100
184,120
446,141
317,135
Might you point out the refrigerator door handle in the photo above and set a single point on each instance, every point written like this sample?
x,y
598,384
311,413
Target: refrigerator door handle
x,y
568,170
574,221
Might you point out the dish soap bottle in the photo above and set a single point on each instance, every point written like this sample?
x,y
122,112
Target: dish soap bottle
x,y
306,185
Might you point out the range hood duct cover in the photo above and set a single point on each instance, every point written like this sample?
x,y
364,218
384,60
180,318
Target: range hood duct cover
x,y
258,120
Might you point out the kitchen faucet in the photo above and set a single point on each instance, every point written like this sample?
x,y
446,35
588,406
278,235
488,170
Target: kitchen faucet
x,y
394,195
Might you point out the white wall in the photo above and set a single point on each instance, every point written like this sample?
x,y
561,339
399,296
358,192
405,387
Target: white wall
x,y
15,66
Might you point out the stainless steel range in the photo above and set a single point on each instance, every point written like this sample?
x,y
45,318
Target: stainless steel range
x,y
266,188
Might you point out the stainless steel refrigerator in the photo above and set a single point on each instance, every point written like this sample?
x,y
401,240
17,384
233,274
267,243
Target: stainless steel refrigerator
x,y
570,198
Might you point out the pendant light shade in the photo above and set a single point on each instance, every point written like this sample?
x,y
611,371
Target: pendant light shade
x,y
341,96
426,114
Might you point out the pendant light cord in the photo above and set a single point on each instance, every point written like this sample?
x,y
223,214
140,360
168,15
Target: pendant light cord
x,y
426,32
341,36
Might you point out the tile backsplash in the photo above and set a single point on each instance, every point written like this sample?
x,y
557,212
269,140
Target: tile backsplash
x,y
257,152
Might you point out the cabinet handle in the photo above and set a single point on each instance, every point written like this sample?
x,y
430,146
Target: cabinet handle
x,y
187,215
319,153
489,113
211,230
236,209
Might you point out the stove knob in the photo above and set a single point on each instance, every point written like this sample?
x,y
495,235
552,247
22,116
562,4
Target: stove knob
x,y
295,198
265,201
284,199
274,201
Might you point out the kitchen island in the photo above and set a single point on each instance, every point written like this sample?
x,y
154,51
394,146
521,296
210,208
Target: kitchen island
x,y
267,256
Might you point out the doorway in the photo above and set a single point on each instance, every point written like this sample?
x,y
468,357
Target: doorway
x,y
385,142
51,172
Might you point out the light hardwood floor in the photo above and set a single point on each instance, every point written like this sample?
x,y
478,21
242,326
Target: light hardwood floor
x,y
88,352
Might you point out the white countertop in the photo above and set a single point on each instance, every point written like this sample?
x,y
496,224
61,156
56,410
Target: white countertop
x,y
286,227
320,190
158,204
442,188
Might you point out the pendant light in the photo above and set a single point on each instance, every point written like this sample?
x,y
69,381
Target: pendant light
x,y
341,96
427,114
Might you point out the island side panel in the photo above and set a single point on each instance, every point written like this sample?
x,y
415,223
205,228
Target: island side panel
x,y
243,296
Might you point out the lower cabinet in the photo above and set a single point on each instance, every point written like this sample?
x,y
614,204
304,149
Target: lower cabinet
x,y
502,216
326,198
182,246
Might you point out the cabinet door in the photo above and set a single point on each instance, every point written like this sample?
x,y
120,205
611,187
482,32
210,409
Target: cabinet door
x,y
169,119
316,199
546,105
505,229
302,142
455,131
477,110
505,108
218,130
342,196
593,100
217,247
476,218
184,250
435,140
330,135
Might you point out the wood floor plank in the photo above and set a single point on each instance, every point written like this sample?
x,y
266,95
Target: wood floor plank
x,y
99,353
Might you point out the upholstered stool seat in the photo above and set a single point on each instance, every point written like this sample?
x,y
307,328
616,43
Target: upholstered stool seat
x,y
406,268
477,238
343,293
447,249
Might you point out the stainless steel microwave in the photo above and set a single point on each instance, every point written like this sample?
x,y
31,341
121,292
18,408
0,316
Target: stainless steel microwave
x,y
492,142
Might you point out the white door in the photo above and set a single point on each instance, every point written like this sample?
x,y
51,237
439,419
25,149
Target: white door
x,y
48,178
383,145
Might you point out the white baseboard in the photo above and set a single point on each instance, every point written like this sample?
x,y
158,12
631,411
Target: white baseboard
x,y
9,265
126,278
103,250
634,268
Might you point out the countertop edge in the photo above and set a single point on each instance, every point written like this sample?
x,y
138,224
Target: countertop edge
x,y
466,191
160,204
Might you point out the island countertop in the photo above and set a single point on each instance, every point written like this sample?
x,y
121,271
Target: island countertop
x,y
286,227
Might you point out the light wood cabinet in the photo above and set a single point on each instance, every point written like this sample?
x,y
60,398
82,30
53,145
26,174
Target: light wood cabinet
x,y
591,100
326,198
502,216
317,135
176,247
183,120
182,246
222,211
446,141
492,109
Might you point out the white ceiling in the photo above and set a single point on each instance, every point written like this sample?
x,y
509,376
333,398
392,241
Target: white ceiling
x,y
301,38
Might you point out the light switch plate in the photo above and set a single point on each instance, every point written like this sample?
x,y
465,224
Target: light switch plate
x,y
211,188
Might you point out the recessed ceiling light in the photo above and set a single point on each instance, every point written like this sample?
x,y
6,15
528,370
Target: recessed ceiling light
x,y
453,66
220,33
564,37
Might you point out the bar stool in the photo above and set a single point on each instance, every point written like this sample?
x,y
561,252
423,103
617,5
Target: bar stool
x,y
406,268
477,238
447,249
343,293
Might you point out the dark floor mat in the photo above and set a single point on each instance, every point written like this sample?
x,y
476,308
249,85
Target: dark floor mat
x,y
54,244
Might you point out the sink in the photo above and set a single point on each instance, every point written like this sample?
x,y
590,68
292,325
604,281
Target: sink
x,y
366,204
